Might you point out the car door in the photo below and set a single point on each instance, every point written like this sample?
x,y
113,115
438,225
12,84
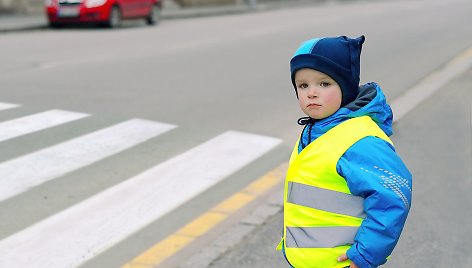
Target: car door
x,y
144,7
128,8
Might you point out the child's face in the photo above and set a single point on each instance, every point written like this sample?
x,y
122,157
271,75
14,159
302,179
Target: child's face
x,y
319,95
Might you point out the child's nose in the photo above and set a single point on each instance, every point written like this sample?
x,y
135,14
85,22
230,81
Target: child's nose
x,y
312,92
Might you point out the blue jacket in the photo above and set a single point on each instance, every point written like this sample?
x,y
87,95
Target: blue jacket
x,y
374,171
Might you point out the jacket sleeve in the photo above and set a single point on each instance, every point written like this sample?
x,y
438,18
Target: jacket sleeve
x,y
375,172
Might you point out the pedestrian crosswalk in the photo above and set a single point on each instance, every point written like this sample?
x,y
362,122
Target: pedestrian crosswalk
x,y
22,173
79,233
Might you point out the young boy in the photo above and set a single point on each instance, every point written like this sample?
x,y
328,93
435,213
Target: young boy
x,y
347,193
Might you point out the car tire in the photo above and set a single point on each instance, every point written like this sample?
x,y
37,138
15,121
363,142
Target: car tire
x,y
114,19
55,25
154,16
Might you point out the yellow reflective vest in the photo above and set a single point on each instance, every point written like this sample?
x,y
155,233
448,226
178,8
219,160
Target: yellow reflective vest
x,y
321,216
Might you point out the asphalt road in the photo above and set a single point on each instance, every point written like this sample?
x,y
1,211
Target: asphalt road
x,y
206,76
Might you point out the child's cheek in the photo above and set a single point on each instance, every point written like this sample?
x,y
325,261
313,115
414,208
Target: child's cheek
x,y
333,99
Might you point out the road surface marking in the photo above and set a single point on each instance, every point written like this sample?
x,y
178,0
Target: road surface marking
x,y
432,83
204,223
29,124
20,174
5,106
81,232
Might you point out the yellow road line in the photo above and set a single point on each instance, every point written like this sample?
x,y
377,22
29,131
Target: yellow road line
x,y
205,222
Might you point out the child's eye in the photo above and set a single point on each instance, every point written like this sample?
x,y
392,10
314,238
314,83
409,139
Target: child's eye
x,y
325,84
303,85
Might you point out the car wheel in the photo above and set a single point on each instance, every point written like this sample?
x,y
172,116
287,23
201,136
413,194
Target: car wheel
x,y
154,16
55,25
114,20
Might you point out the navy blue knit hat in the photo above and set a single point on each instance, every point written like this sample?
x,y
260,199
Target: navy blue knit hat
x,y
338,57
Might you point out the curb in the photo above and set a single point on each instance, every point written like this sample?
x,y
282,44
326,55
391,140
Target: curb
x,y
18,23
205,12
38,22
430,84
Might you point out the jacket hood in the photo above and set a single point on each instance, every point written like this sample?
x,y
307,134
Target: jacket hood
x,y
369,102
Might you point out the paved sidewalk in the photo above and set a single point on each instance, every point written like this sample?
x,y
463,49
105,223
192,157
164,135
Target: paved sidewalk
x,y
16,22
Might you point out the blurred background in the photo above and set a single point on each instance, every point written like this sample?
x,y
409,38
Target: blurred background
x,y
147,133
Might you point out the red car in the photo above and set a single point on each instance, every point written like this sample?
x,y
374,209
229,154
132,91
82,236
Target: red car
x,y
105,12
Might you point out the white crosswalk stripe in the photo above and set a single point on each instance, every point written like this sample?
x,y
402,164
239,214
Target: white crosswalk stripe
x,y
22,173
29,124
80,232
6,106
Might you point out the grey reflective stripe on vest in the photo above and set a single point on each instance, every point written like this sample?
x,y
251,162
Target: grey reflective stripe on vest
x,y
327,200
320,237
